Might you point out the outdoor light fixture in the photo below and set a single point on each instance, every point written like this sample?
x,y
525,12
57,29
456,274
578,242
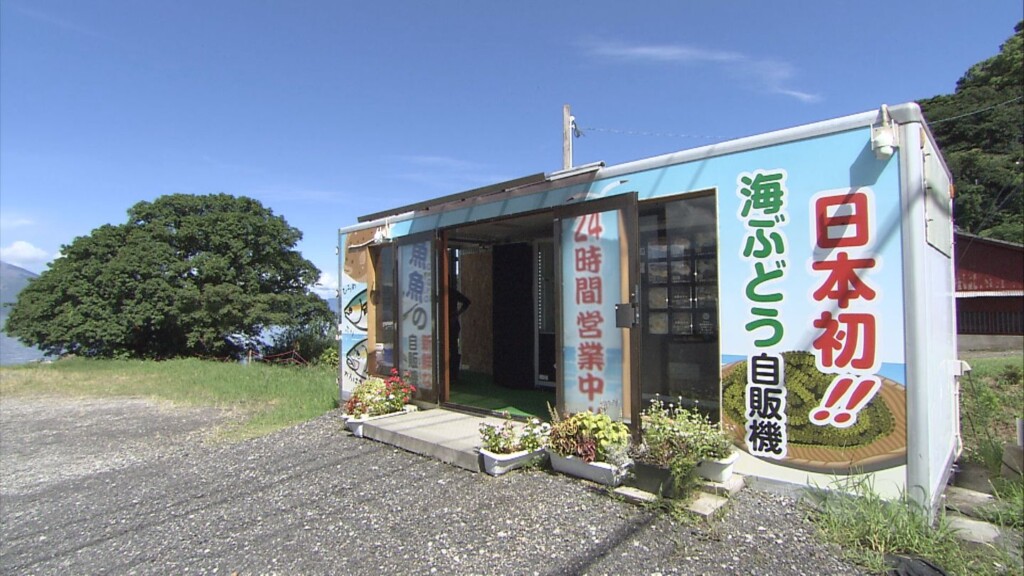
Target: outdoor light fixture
x,y
883,136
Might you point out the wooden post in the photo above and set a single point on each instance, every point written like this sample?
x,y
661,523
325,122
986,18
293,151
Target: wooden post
x,y
566,138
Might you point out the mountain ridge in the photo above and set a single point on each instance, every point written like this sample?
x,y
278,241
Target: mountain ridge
x,y
12,280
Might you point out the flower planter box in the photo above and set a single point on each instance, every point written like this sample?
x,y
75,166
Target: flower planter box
x,y
355,424
498,464
653,479
600,472
718,470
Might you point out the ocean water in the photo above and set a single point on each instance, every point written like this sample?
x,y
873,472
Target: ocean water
x,y
13,352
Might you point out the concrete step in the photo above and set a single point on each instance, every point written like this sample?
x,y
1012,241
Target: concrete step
x,y
726,489
965,501
708,499
701,503
705,505
448,436
964,509
972,530
635,495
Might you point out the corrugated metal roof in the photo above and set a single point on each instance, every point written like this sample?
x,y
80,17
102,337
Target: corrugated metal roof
x,y
988,293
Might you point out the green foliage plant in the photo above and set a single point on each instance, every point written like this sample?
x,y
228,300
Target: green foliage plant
x,y
186,275
678,439
377,396
309,341
991,399
329,357
870,528
590,436
1007,508
508,437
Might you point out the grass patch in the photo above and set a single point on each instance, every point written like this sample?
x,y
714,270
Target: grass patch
x,y
870,528
991,399
266,397
1008,507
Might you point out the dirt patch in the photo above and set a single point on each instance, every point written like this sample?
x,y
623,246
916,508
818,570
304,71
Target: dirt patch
x,y
45,440
130,487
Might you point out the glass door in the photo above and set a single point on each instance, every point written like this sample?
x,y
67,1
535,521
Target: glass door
x,y
598,342
417,314
679,295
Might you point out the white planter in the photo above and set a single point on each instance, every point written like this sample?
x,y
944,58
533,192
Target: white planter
x,y
498,464
355,425
718,470
600,472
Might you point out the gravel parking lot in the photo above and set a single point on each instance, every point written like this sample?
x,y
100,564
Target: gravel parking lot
x,y
133,487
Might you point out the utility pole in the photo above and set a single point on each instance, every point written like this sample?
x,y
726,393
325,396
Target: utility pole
x,y
566,138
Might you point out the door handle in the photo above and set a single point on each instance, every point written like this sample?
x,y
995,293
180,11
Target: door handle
x,y
627,315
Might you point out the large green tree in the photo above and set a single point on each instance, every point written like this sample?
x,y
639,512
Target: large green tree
x,y
185,276
980,130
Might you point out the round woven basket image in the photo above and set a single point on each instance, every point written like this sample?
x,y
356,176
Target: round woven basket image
x,y
881,444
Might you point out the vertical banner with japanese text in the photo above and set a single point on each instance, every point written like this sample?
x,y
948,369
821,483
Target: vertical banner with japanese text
x,y
593,346
416,285
763,201
847,326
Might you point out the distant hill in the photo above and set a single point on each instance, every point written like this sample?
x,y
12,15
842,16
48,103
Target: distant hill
x,y
333,304
978,128
12,280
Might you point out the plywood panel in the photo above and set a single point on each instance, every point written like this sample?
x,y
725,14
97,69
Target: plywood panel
x,y
477,327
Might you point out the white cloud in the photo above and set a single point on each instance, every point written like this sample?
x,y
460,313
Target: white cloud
x,y
765,74
24,254
663,53
775,76
327,286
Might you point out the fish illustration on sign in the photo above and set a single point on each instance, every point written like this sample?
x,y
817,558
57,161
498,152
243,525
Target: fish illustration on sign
x,y
356,359
356,311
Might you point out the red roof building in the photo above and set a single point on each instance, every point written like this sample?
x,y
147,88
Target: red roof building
x,y
989,286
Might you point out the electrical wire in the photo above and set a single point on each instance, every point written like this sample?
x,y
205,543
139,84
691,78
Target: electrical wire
x,y
644,133
979,111
580,131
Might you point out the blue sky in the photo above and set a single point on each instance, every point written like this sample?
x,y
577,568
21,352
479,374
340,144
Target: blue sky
x,y
326,111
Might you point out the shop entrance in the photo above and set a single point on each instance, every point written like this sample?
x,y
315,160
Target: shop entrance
x,y
504,306
500,316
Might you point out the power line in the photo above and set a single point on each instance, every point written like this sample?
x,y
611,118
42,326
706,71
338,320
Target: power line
x,y
580,131
644,133
1011,100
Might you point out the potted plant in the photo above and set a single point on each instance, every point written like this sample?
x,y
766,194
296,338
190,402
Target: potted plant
x,y
716,456
677,447
507,447
376,397
589,445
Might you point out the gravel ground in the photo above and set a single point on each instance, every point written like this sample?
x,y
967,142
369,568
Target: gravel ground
x,y
128,486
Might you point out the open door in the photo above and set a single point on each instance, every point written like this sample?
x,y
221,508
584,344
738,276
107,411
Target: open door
x,y
417,342
598,340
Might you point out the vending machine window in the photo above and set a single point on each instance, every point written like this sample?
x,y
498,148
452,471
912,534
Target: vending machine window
x,y
679,287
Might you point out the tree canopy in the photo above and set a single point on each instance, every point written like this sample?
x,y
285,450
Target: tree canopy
x,y
184,276
980,130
